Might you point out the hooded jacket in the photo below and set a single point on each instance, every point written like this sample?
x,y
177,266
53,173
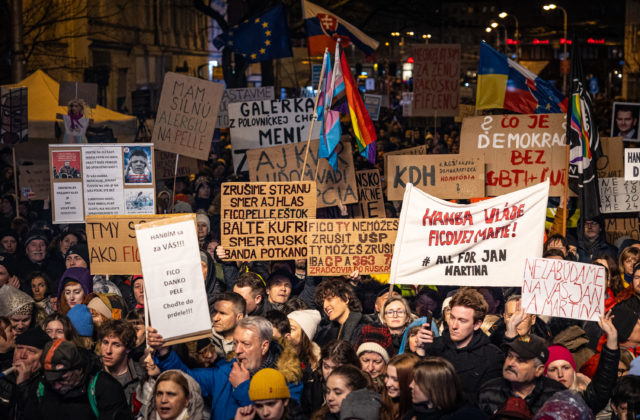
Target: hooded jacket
x,y
194,407
495,393
214,381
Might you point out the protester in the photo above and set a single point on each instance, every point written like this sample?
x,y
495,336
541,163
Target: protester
x,y
80,317
593,241
516,324
361,404
396,315
17,306
304,324
340,382
271,399
35,255
397,395
75,285
251,288
625,393
7,343
279,287
228,310
373,348
176,396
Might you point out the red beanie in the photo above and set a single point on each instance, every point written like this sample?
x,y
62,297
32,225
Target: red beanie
x,y
559,353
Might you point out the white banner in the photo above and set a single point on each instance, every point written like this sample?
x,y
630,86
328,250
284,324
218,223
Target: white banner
x,y
241,95
480,244
173,281
259,124
632,164
563,289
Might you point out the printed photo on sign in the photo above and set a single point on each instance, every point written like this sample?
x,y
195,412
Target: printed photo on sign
x,y
624,120
139,201
66,165
138,165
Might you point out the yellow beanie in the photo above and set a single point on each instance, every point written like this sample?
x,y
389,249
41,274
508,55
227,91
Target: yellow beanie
x,y
268,384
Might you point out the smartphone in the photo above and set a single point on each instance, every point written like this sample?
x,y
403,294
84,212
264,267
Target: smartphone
x,y
429,316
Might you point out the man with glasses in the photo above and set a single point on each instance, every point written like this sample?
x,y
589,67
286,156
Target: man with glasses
x,y
593,242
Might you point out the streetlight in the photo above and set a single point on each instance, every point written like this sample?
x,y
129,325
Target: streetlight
x,y
495,25
548,7
503,15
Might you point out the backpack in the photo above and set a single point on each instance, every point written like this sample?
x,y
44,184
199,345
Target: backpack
x,y
91,391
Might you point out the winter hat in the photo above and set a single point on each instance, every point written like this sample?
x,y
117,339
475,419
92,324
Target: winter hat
x,y
11,233
9,264
361,404
268,384
33,337
79,275
14,301
635,367
535,347
110,305
58,357
202,343
80,249
200,181
375,339
182,207
557,352
308,319
564,405
624,319
80,317
515,408
201,217
36,234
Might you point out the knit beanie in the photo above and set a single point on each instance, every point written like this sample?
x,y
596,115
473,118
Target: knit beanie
x,y
80,317
110,305
624,319
33,337
634,369
202,217
80,249
564,405
375,339
182,207
14,301
308,319
268,384
362,404
559,353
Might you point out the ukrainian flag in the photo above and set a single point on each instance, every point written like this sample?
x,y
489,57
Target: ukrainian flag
x,y
493,73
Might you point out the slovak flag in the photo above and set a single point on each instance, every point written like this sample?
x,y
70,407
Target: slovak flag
x,y
324,28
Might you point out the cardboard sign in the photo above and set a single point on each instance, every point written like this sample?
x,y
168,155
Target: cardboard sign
x,y
173,279
34,181
618,195
625,121
480,244
101,179
611,164
618,226
261,124
371,203
632,164
14,115
68,91
465,111
418,150
339,247
284,163
564,289
436,80
166,165
373,103
443,176
519,150
186,115
263,221
241,95
407,103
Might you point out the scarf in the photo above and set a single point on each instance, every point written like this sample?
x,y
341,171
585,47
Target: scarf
x,y
184,415
75,120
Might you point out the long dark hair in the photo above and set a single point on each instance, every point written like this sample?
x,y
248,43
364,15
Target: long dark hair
x,y
341,352
437,379
404,364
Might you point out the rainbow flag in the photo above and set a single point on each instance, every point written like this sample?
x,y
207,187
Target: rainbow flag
x,y
331,103
362,125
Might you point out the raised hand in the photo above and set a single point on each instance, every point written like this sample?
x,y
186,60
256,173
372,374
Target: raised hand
x,y
610,330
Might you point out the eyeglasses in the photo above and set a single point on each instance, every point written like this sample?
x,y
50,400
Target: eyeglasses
x,y
399,312
591,224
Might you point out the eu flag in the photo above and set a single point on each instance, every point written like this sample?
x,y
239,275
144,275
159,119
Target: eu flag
x,y
260,38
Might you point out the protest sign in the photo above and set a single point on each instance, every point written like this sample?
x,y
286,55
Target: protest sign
x,y
618,195
101,179
519,150
436,80
465,111
480,244
241,95
443,176
632,164
284,163
417,150
266,220
255,125
14,115
625,121
373,103
113,248
564,289
371,200
173,279
186,115
34,181
339,247
618,226
611,163
166,165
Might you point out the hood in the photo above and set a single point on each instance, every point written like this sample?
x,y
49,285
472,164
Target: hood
x,y
195,406
478,340
79,275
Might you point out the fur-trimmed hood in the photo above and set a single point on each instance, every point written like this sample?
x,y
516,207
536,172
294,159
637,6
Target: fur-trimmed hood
x,y
287,361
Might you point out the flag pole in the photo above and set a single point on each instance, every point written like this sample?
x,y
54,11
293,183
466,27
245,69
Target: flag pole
x,y
565,192
315,116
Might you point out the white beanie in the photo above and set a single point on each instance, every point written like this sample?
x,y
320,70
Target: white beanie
x,y
202,217
373,347
308,319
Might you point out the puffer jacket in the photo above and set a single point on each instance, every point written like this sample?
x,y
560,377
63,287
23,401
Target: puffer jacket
x,y
495,393
601,386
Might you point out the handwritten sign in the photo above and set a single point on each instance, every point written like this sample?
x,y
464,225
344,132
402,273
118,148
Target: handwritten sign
x,y
266,220
173,278
34,181
371,203
101,179
632,164
166,165
617,226
261,124
186,115
564,289
443,176
417,150
611,163
436,80
338,247
519,150
618,195
241,95
284,163
373,104
464,111
480,244
113,248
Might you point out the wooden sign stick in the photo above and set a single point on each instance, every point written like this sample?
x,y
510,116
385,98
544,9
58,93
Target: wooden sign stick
x,y
15,179
315,116
175,175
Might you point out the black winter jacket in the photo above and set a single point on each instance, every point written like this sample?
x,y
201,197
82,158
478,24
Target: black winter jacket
x,y
604,380
477,363
329,330
495,393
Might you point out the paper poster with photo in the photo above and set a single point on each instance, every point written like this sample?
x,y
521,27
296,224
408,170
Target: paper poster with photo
x,y
625,121
138,165
66,164
138,201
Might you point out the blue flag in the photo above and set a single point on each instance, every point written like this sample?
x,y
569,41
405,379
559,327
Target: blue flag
x,y
259,38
